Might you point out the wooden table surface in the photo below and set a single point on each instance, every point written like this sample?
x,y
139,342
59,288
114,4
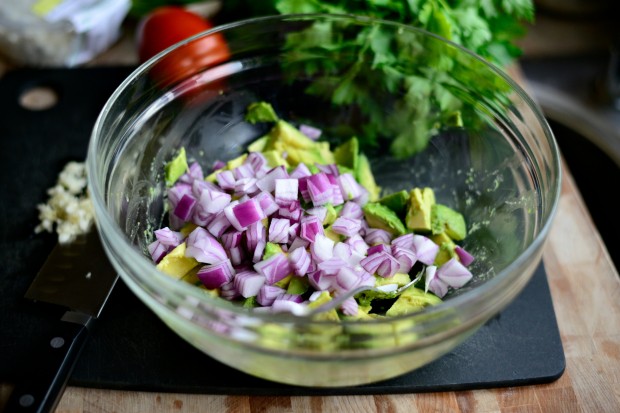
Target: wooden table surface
x,y
585,288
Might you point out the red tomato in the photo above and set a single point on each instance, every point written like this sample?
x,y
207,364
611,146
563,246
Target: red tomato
x,y
168,25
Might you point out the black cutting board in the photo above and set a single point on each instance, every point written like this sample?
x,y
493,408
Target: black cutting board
x,y
130,347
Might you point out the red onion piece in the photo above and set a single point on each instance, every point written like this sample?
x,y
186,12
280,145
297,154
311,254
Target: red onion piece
x,y
255,233
320,212
331,266
218,165
257,160
286,191
244,214
310,228
258,251
219,224
185,207
303,188
280,305
157,251
337,198
215,275
404,241
329,169
248,283
299,260
405,257
351,210
349,187
278,230
425,249
298,242
388,267
231,239
244,171
349,306
320,281
433,283
246,186
372,262
204,248
320,189
347,279
465,257
357,244
268,182
199,185
267,203
226,179
379,248
377,236
454,274
229,292
169,238
347,254
300,171
346,226
310,131
268,294
292,211
274,268
322,248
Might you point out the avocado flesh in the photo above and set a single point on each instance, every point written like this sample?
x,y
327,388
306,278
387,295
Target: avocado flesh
x,y
380,216
397,202
412,300
176,264
284,137
446,248
363,175
418,216
445,219
347,154
260,112
175,168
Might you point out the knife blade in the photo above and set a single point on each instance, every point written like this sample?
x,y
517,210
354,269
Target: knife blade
x,y
79,277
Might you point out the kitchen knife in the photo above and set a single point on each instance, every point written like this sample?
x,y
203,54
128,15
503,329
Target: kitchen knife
x,y
79,277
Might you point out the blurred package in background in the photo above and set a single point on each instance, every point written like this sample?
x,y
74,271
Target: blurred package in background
x,y
59,33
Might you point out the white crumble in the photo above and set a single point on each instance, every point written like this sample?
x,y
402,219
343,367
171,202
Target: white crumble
x,y
68,210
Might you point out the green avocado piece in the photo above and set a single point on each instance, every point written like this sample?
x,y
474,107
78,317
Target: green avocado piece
x,y
325,315
363,175
284,137
175,168
399,279
397,202
258,145
419,209
331,215
238,161
380,216
445,219
271,249
250,302
275,158
297,286
347,153
446,248
260,112
412,300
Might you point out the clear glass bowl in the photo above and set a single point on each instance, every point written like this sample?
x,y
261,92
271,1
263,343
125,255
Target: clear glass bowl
x,y
500,169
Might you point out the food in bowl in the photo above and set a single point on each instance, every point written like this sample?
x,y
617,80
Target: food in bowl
x,y
498,167
292,225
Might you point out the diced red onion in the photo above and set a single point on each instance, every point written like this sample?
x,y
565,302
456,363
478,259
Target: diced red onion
x,y
236,255
349,187
244,214
229,292
169,238
274,268
454,274
349,306
351,210
268,294
157,251
213,200
286,191
387,288
248,283
226,179
465,257
320,189
320,212
357,244
217,274
347,278
406,258
218,165
185,207
347,254
310,228
292,211
219,224
337,198
257,160
331,266
425,249
267,203
377,236
303,188
204,248
268,182
379,248
199,185
255,233
404,241
258,251
322,248
329,169
310,131
278,230
298,242
388,267
246,186
293,230
372,262
315,295
231,239
362,199
320,281
194,173
296,298
300,171
244,171
433,283
287,306
299,259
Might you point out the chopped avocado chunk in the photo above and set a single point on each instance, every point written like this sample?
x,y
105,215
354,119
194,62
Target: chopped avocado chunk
x,y
233,163
419,209
380,216
260,112
176,264
250,302
213,293
176,167
187,228
347,154
446,248
412,300
326,315
283,283
446,219
258,145
397,202
191,277
331,215
363,175
284,137
271,249
399,279
297,286
275,158
329,233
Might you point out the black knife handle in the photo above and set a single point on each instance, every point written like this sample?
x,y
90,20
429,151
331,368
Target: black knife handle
x,y
49,368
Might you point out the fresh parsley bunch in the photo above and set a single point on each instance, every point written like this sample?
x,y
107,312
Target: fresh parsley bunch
x,y
429,99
